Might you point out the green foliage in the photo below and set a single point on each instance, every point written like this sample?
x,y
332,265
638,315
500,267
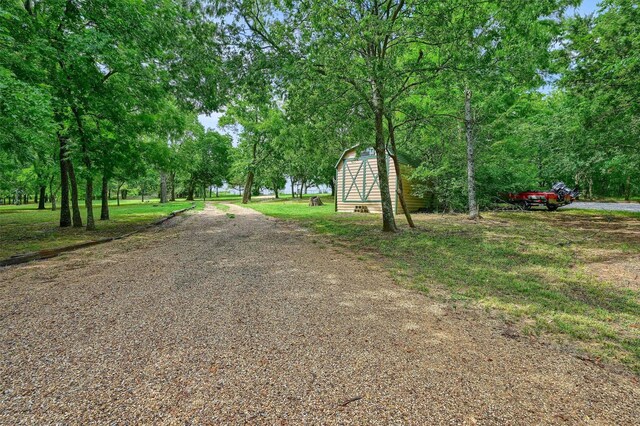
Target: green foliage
x,y
601,88
207,158
26,119
259,155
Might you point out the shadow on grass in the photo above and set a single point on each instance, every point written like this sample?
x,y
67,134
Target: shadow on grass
x,y
530,267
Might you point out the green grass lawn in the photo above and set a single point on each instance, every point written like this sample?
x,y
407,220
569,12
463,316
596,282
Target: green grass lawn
x,y
25,228
224,196
570,274
222,207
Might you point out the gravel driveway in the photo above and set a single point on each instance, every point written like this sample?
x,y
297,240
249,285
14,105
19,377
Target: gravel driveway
x,y
220,320
619,207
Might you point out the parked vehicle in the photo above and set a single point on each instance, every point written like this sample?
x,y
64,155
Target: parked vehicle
x,y
559,195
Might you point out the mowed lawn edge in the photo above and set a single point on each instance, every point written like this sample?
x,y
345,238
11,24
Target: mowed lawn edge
x,y
537,270
26,229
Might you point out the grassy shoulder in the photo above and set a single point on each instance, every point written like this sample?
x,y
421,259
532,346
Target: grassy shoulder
x,y
613,200
25,228
572,275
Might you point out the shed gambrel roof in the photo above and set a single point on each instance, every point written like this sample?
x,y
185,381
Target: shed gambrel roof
x,y
402,156
344,153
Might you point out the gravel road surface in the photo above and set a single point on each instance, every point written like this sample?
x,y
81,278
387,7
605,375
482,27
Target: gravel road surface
x,y
245,320
619,207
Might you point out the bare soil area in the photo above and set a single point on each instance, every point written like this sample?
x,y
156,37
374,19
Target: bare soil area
x,y
235,318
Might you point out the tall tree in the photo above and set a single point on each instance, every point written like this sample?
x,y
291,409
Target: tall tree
x,y
260,124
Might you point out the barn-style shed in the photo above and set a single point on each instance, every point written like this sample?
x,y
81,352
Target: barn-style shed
x,y
357,188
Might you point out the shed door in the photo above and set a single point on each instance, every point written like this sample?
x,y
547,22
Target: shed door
x,y
359,178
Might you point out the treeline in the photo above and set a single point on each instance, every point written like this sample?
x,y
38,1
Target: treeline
x,y
584,130
488,97
101,97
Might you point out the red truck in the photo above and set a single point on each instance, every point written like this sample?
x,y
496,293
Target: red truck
x,y
558,196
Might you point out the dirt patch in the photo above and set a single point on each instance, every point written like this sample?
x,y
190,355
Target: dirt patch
x,y
623,273
602,227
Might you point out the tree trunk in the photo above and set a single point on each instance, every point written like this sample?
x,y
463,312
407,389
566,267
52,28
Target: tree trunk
x,y
315,201
118,194
65,211
217,193
163,187
204,193
88,202
88,196
276,191
471,171
104,210
142,194
75,205
332,184
248,187
246,195
52,195
396,165
627,189
172,182
89,184
43,196
293,189
388,219
190,191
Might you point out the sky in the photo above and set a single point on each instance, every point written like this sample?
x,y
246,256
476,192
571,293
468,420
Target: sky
x,y
587,7
211,121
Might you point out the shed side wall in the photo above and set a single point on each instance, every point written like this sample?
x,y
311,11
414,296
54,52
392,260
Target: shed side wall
x,y
413,203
